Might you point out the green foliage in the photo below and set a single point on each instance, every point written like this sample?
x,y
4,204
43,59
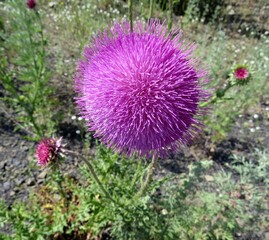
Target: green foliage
x,y
27,222
204,10
188,206
221,53
79,20
121,177
23,71
255,170
192,205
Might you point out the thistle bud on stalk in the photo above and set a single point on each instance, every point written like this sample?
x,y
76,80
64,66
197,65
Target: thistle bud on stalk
x,y
31,4
240,75
49,150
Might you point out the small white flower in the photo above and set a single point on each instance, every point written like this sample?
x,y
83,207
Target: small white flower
x,y
252,130
258,128
79,118
73,117
256,116
77,132
164,212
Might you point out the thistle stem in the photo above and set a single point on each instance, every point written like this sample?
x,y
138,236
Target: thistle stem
x,y
148,179
130,13
170,15
60,186
94,175
151,4
219,94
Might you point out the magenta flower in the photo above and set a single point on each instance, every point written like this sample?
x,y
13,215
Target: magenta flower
x,y
31,4
241,73
48,150
140,91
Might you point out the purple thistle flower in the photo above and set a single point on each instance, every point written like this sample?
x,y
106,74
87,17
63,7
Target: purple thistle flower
x,y
140,91
31,4
48,150
241,73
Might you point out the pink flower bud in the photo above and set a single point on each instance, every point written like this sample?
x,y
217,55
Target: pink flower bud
x,y
241,73
48,150
31,4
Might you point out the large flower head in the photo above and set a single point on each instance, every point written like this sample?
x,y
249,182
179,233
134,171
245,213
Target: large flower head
x,y
140,91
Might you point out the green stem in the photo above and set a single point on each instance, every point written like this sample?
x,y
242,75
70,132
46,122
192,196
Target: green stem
x,y
220,94
40,66
42,44
38,72
148,179
136,175
212,100
170,15
130,13
94,175
60,186
151,8
32,46
36,127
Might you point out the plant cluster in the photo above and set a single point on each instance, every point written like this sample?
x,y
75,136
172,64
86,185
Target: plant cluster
x,y
190,206
142,90
24,75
